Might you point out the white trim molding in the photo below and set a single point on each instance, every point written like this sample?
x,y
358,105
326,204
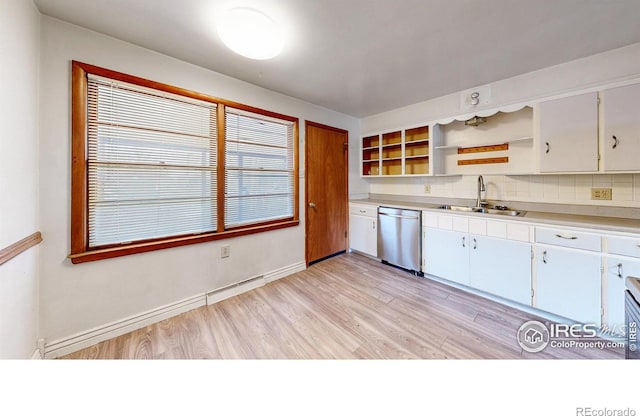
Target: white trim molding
x,y
274,275
226,292
98,334
101,333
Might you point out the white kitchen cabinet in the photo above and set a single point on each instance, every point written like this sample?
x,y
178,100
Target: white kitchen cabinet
x,y
363,232
622,260
617,270
621,132
568,134
446,254
501,267
568,283
479,253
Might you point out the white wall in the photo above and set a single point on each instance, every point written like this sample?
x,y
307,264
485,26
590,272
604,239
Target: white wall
x,y
76,298
19,51
609,67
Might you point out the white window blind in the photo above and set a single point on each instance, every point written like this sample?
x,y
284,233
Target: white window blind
x,y
151,163
259,168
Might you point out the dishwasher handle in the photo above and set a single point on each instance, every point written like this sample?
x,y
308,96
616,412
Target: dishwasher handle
x,y
398,216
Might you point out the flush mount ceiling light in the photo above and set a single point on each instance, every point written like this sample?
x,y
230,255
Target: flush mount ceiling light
x,y
250,33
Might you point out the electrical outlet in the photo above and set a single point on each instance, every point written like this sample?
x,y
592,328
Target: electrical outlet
x,y
225,251
427,188
601,194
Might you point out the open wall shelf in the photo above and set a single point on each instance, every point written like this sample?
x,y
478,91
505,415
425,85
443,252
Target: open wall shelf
x,y
396,153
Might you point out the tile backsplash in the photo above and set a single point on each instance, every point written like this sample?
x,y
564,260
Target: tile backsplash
x,y
565,189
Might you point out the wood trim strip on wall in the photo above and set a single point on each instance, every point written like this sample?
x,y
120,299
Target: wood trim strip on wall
x,y
18,247
483,161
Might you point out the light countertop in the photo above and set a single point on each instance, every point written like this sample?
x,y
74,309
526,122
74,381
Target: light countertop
x,y
596,222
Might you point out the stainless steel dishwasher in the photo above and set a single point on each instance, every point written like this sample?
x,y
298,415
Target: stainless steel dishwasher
x,y
399,241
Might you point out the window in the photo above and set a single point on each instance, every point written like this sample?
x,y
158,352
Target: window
x,y
259,168
155,166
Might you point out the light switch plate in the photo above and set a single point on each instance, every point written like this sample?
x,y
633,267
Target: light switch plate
x,y
225,251
601,194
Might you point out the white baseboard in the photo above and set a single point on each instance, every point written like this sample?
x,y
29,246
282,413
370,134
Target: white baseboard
x,y
253,283
285,271
93,336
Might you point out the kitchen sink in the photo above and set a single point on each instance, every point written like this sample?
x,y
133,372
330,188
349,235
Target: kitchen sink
x,y
484,210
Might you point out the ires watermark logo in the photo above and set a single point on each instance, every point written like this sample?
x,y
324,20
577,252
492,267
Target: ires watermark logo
x,y
535,336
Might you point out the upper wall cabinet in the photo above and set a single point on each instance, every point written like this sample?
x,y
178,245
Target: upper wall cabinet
x,y
568,134
621,128
493,142
396,153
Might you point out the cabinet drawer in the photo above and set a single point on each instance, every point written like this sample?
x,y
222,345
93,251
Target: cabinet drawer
x,y
478,227
567,238
518,232
624,246
429,219
365,210
460,224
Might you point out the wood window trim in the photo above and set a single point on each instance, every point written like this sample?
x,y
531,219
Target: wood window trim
x,y
80,251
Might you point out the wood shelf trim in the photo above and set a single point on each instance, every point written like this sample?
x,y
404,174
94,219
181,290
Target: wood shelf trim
x,y
481,149
19,247
416,157
416,142
485,161
370,148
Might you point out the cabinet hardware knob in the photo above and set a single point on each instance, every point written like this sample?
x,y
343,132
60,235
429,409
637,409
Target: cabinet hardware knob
x,y
464,242
573,237
312,204
548,147
475,244
544,257
615,142
620,270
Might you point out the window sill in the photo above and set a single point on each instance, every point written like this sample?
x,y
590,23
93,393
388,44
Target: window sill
x,y
107,253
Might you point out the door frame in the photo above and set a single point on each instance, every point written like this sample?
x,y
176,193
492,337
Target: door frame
x,y
307,124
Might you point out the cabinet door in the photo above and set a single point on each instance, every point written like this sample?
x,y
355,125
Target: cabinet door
x,y
501,267
568,283
618,268
569,134
446,254
363,235
621,118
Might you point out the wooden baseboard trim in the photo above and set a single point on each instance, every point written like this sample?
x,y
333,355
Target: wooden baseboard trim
x,y
19,247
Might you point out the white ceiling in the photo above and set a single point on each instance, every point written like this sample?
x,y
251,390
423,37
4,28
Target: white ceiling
x,y
363,57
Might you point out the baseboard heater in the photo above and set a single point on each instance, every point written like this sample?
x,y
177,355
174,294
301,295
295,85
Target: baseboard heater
x,y
234,289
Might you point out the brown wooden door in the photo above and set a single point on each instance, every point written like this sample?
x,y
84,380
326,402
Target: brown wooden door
x,y
326,194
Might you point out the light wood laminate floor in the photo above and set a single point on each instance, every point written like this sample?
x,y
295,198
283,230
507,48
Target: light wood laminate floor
x,y
347,307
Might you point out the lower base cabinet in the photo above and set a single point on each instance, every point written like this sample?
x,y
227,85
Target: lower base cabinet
x,y
493,265
568,283
446,254
363,234
501,267
617,270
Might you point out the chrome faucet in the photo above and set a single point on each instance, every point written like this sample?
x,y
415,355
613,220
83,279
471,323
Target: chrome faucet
x,y
481,188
